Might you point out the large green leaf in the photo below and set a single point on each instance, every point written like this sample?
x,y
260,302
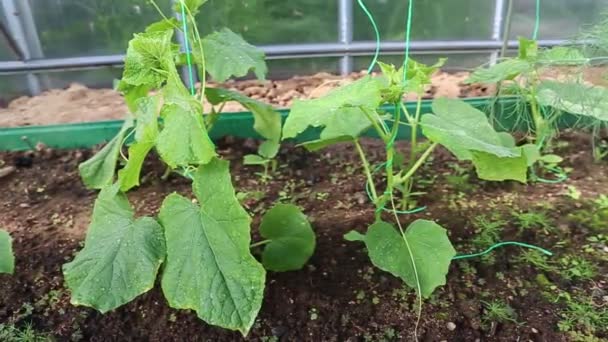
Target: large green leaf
x,y
184,139
575,98
505,70
562,55
7,259
98,171
421,257
467,133
146,132
209,266
292,240
267,121
340,113
227,54
528,49
149,59
121,255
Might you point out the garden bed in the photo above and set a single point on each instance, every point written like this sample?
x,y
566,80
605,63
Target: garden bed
x,y
338,296
77,103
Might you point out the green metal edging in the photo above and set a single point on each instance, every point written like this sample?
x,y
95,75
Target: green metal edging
x,y
88,134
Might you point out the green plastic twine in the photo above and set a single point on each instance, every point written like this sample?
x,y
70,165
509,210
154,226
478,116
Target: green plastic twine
x,y
408,31
187,47
375,26
185,171
537,22
506,243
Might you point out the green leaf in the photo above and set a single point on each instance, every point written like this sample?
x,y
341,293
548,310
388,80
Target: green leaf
x,y
149,59
163,25
98,172
121,255
354,236
7,259
424,242
532,153
228,54
292,240
562,55
192,5
493,168
175,93
506,70
551,159
340,113
419,75
575,98
132,94
267,121
209,266
528,49
467,133
254,159
146,132
184,140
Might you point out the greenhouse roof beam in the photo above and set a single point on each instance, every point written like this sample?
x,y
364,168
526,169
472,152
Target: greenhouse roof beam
x,y
278,52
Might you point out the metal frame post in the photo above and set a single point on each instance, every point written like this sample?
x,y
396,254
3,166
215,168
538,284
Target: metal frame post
x,y
21,24
345,33
497,27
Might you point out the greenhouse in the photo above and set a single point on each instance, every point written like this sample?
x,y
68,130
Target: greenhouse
x,y
347,170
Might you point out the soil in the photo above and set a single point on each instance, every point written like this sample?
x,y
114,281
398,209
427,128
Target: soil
x,y
338,296
77,103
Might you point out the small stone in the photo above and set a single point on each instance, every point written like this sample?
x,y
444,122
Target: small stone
x,y
6,171
451,326
534,331
279,331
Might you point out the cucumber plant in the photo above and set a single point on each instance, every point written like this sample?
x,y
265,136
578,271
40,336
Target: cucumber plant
x,y
200,248
547,99
7,259
420,254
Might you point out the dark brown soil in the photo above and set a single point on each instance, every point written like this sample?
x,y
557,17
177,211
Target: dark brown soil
x,y
338,296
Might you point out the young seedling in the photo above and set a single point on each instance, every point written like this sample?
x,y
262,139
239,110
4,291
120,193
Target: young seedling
x,y
497,311
208,238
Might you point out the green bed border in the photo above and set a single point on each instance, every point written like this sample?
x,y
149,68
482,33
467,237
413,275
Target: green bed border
x,y
88,134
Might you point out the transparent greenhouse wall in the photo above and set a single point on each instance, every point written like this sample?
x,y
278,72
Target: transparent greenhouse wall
x,y
73,28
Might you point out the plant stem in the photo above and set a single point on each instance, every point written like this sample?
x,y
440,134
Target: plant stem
x,y
417,165
199,40
381,132
155,5
259,243
413,149
166,173
537,117
368,172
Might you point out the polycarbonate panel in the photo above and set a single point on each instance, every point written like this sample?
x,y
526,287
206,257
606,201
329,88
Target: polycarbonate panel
x,y
91,27
559,19
285,68
5,53
274,21
432,20
11,86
